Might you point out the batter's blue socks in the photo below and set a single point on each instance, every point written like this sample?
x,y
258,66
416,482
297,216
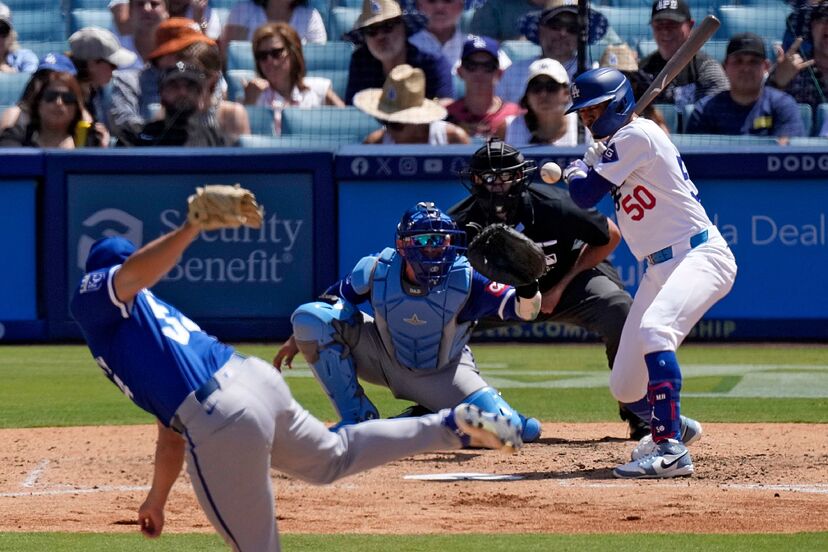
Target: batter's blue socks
x,y
663,395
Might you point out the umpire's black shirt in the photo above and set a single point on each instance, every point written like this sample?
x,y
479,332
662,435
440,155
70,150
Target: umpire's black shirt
x,y
552,220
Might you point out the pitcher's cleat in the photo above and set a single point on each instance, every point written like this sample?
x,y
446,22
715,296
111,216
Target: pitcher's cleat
x,y
669,459
477,428
691,431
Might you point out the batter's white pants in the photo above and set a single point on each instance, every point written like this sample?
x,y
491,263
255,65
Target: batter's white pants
x,y
671,299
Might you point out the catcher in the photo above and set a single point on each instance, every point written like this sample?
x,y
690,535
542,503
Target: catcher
x,y
426,299
232,416
579,286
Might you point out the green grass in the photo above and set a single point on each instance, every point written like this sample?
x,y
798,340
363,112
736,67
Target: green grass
x,y
63,542
60,385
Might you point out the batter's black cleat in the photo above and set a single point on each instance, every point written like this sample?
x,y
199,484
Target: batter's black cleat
x,y
638,427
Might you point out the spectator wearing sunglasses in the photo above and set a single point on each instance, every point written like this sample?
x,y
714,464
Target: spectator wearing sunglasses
x,y
135,22
51,117
51,62
381,34
545,99
248,15
480,112
135,94
13,58
555,30
281,81
407,116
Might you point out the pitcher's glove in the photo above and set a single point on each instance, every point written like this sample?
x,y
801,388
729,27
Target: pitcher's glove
x,y
222,206
504,255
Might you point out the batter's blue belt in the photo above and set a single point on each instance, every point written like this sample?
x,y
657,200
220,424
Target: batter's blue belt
x,y
668,252
212,384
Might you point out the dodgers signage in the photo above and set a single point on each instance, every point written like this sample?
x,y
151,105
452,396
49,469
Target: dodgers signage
x,y
229,273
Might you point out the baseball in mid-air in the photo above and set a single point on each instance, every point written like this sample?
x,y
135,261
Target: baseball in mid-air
x,y
550,172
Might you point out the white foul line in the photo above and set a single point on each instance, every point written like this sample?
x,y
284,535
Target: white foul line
x,y
101,489
33,476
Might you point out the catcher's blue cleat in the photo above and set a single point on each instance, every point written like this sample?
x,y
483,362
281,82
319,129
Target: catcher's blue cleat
x,y
531,429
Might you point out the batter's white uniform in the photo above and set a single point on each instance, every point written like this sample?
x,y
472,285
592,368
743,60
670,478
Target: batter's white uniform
x,y
658,208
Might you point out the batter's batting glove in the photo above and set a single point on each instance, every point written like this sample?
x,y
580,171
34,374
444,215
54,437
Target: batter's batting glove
x,y
594,153
576,169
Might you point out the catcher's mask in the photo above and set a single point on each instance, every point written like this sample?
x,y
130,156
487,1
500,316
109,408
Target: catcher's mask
x,y
498,177
108,252
430,242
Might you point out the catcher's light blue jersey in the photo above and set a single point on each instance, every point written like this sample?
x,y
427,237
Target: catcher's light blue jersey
x,y
150,350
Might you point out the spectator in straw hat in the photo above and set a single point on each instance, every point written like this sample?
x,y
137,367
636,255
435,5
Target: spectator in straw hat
x,y
96,53
135,93
555,30
13,58
405,113
381,34
623,58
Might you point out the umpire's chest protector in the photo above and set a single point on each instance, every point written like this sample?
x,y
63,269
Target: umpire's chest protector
x,y
422,332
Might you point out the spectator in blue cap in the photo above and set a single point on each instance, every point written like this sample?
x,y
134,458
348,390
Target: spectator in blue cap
x,y
480,112
13,58
55,61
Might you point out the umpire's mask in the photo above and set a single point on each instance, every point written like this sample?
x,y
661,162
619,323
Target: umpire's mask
x,y
498,177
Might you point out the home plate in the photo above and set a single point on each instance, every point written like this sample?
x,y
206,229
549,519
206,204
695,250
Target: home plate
x,y
463,476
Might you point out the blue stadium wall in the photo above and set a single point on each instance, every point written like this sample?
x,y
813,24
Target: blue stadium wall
x,y
325,209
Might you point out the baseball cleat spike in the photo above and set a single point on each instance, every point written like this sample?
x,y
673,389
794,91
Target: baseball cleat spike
x,y
487,429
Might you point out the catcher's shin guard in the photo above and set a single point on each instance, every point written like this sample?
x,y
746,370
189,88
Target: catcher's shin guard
x,y
488,399
330,360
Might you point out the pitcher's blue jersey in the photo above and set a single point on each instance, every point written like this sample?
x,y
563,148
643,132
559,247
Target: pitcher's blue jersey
x,y
150,350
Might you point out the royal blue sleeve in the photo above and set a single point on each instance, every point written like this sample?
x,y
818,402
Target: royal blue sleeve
x,y
488,299
586,192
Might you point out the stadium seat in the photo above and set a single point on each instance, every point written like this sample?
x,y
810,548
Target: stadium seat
x,y
331,55
767,21
459,86
520,49
328,121
225,4
87,4
261,120
808,142
807,115
631,24
18,5
348,3
338,78
39,25
43,48
299,141
11,86
821,128
465,21
685,116
671,116
240,56
235,87
78,19
341,21
714,48
721,141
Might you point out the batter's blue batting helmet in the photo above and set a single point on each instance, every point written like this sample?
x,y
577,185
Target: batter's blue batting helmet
x,y
598,86
430,242
108,252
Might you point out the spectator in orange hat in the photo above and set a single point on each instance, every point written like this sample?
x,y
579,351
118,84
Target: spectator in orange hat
x,y
135,94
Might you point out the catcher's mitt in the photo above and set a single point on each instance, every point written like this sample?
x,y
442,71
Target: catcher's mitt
x,y
504,255
222,206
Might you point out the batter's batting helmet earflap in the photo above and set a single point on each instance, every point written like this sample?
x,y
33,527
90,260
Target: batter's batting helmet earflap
x,y
430,242
597,86
108,252
498,177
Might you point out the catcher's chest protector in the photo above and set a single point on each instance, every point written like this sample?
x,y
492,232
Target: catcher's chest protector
x,y
422,331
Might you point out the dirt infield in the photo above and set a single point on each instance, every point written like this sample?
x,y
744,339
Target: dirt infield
x,y
750,478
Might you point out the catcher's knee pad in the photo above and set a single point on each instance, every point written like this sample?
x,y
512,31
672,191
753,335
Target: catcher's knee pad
x,y
333,367
489,399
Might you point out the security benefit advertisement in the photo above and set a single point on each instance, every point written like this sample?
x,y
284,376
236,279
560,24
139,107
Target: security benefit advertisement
x,y
229,273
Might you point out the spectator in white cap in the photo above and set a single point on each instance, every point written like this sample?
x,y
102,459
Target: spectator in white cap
x,y
96,53
13,58
480,112
405,113
545,99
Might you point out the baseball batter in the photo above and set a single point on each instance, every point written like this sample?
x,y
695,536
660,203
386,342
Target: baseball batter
x,y
690,266
426,299
234,415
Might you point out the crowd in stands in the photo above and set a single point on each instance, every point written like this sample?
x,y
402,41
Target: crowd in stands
x,y
215,72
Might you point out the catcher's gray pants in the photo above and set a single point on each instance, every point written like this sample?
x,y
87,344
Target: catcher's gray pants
x,y
445,387
252,423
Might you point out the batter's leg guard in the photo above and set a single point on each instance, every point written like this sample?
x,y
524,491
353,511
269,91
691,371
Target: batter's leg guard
x,y
663,394
489,399
332,364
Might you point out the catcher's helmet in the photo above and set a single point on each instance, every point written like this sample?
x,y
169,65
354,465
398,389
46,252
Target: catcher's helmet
x,y
598,86
498,177
430,242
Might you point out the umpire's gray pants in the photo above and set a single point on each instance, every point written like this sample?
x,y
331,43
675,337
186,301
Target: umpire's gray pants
x,y
252,423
